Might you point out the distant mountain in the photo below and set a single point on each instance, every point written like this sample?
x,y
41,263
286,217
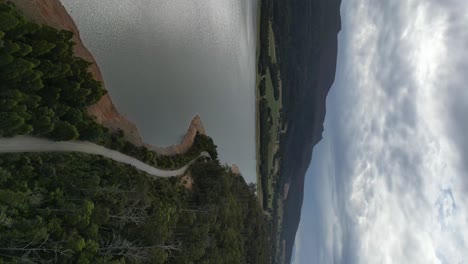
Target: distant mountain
x,y
308,46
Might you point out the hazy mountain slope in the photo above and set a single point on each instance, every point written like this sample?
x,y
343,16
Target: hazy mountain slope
x,y
308,46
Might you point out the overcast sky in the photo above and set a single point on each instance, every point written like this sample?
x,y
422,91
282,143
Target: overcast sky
x,y
389,181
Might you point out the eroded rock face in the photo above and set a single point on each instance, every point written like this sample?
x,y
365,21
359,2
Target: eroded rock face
x,y
196,126
235,169
107,115
54,14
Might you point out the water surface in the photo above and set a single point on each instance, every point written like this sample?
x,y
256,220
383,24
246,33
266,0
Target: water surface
x,y
164,61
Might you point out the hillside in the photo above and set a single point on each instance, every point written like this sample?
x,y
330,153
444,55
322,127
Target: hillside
x,y
307,45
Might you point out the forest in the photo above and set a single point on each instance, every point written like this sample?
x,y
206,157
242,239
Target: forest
x,y
45,89
76,208
265,138
268,66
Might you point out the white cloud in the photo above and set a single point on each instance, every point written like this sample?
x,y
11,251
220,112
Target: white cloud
x,y
296,256
406,202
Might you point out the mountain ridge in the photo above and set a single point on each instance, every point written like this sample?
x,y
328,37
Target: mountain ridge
x,y
310,73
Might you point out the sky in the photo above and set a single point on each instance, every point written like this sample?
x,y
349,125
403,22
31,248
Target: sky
x,y
389,181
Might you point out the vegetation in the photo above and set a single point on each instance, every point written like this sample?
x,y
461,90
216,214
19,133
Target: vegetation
x,y
266,13
269,107
271,126
275,79
44,89
265,138
74,208
201,143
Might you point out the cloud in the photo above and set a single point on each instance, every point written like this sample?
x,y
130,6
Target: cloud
x,y
323,227
401,124
398,120
296,256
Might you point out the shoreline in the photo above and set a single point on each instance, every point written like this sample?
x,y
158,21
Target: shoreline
x,y
54,14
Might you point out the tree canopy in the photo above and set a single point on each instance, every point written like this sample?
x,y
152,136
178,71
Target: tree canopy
x,y
44,88
78,208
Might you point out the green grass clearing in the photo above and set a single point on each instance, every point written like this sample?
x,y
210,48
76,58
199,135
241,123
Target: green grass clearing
x,y
275,106
272,45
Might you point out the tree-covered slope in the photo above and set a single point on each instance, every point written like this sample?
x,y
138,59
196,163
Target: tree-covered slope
x,y
45,89
73,208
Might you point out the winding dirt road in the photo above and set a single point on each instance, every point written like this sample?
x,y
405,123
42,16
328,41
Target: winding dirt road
x,y
31,144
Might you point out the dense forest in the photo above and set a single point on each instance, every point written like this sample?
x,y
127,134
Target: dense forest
x,y
265,61
45,89
265,137
75,208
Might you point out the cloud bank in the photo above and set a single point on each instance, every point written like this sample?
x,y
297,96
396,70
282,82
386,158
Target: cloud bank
x,y
396,138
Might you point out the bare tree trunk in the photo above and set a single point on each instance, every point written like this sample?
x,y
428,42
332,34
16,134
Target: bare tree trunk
x,y
132,214
35,253
121,247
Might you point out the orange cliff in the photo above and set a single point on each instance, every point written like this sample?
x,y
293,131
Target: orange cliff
x,y
54,14
194,127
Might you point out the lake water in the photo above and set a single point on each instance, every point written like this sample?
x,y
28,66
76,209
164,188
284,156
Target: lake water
x,y
164,61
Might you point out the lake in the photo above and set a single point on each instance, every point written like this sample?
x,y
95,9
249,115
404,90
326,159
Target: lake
x,y
164,61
